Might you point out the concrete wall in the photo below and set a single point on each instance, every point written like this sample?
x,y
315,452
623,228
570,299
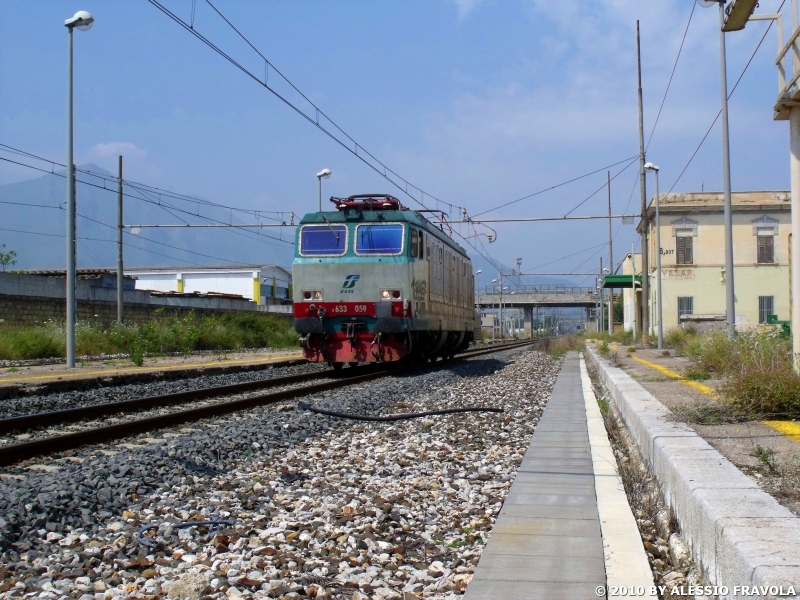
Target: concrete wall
x,y
35,299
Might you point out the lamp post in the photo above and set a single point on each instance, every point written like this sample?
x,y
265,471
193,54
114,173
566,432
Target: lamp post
x,y
730,298
477,298
502,327
83,21
659,310
493,316
324,174
739,14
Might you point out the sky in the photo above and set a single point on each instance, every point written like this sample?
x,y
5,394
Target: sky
x,y
476,102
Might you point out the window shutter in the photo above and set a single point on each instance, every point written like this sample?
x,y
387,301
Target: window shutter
x,y
679,250
688,251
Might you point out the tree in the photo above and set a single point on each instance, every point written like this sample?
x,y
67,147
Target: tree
x,y
7,258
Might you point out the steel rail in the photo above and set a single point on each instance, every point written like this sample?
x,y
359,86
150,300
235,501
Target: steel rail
x,y
93,411
18,452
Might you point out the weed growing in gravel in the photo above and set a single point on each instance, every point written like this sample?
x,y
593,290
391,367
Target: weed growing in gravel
x,y
605,349
767,457
632,349
621,336
678,337
559,346
161,335
710,412
696,374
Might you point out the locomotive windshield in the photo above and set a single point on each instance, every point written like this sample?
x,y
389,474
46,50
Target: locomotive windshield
x,y
379,239
323,240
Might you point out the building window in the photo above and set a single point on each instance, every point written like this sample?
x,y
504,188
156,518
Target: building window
x,y
684,250
766,248
685,305
766,307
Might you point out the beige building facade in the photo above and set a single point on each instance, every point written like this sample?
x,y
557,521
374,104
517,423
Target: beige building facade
x,y
693,259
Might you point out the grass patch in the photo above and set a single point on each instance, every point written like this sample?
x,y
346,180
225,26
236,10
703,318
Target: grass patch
x,y
677,338
162,335
756,369
559,346
620,336
696,374
604,349
632,349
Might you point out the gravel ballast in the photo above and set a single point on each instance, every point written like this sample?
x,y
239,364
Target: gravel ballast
x,y
36,403
321,507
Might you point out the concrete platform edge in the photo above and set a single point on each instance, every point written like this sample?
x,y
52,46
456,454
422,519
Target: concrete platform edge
x,y
625,557
730,548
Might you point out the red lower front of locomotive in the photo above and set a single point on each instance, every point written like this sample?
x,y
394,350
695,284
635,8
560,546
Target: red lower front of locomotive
x,y
352,332
339,348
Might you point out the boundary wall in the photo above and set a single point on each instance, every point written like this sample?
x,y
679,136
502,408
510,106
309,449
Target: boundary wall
x,y
36,299
738,534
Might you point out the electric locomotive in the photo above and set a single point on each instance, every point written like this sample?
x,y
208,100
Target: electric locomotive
x,y
376,282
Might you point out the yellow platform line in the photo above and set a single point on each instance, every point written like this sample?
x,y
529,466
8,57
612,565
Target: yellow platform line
x,y
790,429
700,387
216,363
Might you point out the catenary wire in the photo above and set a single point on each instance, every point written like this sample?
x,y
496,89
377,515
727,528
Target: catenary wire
x,y
552,187
128,195
669,83
716,118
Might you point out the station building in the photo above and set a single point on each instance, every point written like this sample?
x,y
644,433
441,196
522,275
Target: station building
x,y
693,260
263,284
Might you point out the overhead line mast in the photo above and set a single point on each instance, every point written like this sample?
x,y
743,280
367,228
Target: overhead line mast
x,y
643,194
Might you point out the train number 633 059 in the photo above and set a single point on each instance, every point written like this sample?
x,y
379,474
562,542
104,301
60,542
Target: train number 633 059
x,y
357,308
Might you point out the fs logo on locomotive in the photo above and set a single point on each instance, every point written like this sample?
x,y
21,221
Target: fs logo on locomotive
x,y
349,283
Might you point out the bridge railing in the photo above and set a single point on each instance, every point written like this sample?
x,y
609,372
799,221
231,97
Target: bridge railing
x,y
540,289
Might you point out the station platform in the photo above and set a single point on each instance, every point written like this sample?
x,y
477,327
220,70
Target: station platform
x,y
56,377
566,529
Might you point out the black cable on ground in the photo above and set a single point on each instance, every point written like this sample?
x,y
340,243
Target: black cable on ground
x,y
400,417
184,525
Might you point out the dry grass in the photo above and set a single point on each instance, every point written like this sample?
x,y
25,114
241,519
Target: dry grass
x,y
559,346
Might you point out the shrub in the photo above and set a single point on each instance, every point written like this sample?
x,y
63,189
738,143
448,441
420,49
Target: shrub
x,y
678,337
775,393
161,335
757,368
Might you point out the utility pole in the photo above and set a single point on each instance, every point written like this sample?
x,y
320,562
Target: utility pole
x,y
610,261
730,297
120,276
643,189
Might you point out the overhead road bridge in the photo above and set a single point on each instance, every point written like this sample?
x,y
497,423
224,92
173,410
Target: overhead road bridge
x,y
540,295
530,298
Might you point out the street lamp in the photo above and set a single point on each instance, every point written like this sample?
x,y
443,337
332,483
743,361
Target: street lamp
x,y
83,21
324,174
494,317
478,285
660,312
730,298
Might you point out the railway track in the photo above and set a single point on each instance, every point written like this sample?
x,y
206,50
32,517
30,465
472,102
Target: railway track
x,y
14,453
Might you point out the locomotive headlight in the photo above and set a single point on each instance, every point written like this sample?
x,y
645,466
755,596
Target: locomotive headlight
x,y
317,295
385,294
396,294
306,295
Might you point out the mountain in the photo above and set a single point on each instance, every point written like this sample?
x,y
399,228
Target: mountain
x,y
33,225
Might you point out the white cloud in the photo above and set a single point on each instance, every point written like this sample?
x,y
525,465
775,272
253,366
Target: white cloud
x,y
465,7
127,149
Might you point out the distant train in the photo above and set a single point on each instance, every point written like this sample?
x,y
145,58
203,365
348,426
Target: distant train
x,y
377,282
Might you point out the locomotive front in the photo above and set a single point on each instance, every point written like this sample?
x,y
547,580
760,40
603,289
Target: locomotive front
x,y
352,278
